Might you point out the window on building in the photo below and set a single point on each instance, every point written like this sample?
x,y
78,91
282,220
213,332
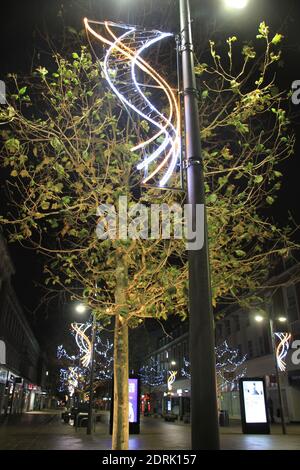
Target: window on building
x,y
179,356
292,307
237,323
227,328
267,339
219,332
250,349
185,350
261,345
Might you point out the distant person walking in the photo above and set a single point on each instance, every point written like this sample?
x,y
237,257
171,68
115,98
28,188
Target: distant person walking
x,y
271,409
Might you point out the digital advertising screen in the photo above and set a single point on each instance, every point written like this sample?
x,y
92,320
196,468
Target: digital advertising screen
x,y
254,399
133,400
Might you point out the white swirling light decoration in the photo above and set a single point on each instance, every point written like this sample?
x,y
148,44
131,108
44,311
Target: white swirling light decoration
x,y
282,349
83,342
122,63
171,378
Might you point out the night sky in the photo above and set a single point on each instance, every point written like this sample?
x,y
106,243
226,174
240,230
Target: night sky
x,y
26,23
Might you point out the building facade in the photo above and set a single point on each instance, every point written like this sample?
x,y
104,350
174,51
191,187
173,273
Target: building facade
x,y
22,370
240,330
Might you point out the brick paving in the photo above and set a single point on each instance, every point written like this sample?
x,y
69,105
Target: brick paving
x,y
45,431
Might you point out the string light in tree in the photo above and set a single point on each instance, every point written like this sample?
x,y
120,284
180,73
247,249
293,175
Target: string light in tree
x,y
151,375
77,377
62,353
230,366
83,342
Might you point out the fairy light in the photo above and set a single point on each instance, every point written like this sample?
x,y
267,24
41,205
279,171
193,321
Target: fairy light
x,y
151,375
171,378
62,353
83,342
121,59
282,349
229,366
76,378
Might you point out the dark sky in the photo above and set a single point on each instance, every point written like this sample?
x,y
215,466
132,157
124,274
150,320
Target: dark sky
x,y
25,22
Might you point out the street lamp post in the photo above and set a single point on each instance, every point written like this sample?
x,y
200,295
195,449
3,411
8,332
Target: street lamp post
x,y
280,400
92,369
271,323
204,417
81,308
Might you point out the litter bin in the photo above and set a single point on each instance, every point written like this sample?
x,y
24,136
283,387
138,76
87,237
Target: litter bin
x,y
224,418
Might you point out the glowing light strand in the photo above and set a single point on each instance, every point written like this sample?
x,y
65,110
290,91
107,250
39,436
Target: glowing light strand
x,y
171,379
74,377
122,58
282,349
151,375
83,342
229,366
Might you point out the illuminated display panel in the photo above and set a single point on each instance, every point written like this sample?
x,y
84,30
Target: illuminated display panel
x,y
254,399
133,400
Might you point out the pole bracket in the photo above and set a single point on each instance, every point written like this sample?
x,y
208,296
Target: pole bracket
x,y
186,47
191,162
192,91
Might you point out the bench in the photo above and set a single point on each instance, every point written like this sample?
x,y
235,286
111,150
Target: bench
x,y
170,417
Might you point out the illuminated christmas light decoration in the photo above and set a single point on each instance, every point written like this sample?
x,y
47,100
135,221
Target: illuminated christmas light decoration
x,y
229,366
171,378
282,349
151,375
72,380
122,64
61,352
69,379
76,377
83,342
185,370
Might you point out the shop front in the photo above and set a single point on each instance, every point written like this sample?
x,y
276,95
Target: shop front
x,y
34,396
3,381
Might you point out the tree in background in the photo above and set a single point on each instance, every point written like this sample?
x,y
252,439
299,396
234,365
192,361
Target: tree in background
x,y
151,375
74,373
66,149
230,367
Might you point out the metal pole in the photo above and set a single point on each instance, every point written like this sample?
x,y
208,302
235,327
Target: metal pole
x,y
277,377
204,414
91,391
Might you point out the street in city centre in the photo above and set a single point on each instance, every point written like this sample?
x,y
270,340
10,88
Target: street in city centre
x,y
45,431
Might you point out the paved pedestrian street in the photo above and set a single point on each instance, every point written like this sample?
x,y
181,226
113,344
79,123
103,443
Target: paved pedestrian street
x,y
46,431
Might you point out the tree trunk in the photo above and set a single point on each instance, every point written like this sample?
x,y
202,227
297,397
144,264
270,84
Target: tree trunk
x,y
120,436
